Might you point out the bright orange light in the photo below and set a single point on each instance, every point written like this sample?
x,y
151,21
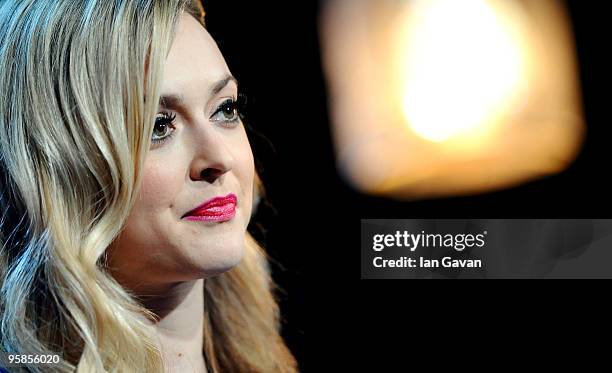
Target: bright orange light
x,y
432,98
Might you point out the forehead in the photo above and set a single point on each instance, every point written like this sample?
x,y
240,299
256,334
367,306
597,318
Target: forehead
x,y
194,62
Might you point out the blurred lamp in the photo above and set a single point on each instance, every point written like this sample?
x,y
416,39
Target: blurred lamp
x,y
431,98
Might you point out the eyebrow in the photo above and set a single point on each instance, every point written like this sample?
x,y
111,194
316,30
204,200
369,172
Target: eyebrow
x,y
178,100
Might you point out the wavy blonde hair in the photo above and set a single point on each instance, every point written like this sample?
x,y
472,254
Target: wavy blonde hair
x,y
79,84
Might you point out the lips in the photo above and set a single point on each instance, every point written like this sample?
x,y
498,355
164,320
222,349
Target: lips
x,y
221,208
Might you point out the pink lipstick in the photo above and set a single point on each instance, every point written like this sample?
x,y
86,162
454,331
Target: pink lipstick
x,y
217,209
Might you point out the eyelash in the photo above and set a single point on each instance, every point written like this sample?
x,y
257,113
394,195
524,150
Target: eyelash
x,y
168,120
236,105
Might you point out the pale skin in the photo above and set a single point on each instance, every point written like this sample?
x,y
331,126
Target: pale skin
x,y
160,257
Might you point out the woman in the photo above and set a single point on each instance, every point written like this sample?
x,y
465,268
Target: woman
x,y
127,186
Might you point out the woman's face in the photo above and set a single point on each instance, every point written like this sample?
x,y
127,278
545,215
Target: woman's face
x,y
199,152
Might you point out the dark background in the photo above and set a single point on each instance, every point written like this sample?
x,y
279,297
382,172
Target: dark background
x,y
311,225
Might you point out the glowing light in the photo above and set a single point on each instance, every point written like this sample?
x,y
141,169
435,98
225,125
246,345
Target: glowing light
x,y
464,66
436,98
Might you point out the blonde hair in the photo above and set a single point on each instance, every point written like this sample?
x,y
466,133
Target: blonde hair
x,y
79,84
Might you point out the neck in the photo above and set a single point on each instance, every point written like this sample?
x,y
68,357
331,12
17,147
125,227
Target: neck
x,y
180,311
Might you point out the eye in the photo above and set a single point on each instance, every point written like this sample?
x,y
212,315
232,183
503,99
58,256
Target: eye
x,y
163,128
228,112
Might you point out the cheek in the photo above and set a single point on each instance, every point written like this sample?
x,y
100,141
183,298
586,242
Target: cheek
x,y
160,186
149,226
154,211
245,172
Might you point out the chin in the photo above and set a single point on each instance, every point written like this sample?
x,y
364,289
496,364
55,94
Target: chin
x,y
222,257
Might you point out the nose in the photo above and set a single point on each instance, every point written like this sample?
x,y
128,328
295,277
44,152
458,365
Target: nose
x,y
213,158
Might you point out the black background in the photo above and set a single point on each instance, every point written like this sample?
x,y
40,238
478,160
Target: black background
x,y
313,218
